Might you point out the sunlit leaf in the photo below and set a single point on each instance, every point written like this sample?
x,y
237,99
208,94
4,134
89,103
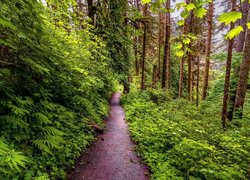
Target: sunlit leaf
x,y
230,17
234,32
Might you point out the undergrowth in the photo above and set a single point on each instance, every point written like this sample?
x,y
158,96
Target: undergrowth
x,y
55,81
177,140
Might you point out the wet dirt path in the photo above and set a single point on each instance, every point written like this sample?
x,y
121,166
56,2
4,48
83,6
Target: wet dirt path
x,y
112,156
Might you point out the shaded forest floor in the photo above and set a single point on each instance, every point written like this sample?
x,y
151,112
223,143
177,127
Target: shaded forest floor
x,y
179,140
112,156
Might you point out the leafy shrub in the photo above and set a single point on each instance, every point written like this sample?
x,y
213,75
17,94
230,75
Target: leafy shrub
x,y
55,79
177,140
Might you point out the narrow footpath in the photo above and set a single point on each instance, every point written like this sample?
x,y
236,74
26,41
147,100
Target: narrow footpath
x,y
112,156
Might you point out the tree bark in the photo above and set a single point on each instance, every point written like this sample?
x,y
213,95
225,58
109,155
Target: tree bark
x,y
144,48
239,49
181,77
154,77
243,21
160,43
182,61
166,60
208,48
228,73
243,77
198,81
91,11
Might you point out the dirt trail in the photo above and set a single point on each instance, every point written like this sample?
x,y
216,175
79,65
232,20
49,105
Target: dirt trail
x,y
112,156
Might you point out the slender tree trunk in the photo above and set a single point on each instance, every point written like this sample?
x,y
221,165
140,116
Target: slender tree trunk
x,y
228,73
191,58
154,77
243,21
181,77
137,62
208,49
144,48
239,48
91,11
182,61
198,81
159,45
166,60
190,80
243,77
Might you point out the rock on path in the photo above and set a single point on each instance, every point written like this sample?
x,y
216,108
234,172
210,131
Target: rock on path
x,y
112,156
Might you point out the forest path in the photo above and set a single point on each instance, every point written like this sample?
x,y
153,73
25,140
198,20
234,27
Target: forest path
x,y
112,156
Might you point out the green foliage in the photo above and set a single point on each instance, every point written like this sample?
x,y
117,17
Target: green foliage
x,y
177,140
55,80
234,32
229,17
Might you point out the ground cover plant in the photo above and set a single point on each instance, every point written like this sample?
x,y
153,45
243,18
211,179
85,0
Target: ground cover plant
x,y
177,140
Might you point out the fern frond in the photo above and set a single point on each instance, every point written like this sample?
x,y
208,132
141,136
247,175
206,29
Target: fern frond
x,y
18,111
14,121
48,105
24,102
11,160
43,119
41,144
50,130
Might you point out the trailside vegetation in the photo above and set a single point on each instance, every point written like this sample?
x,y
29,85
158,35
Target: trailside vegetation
x,y
179,141
55,82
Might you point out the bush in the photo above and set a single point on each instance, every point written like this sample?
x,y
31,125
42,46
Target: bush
x,y
177,140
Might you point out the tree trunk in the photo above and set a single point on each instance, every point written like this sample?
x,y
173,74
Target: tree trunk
x,y
160,42
243,77
182,61
228,72
181,77
239,48
137,61
91,11
154,77
243,21
166,60
208,49
144,48
198,81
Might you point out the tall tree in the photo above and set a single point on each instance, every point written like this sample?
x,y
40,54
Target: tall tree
x,y
239,49
228,72
243,77
166,60
208,48
145,9
160,42
182,61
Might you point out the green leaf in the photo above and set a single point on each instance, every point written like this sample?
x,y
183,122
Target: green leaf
x,y
248,25
179,53
185,14
200,12
181,22
230,17
190,6
186,41
7,23
179,46
146,1
234,32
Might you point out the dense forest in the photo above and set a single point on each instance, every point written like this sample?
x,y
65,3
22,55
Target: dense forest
x,y
181,65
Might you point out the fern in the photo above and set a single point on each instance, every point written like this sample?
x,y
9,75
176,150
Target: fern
x,y
50,139
42,119
11,161
15,122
